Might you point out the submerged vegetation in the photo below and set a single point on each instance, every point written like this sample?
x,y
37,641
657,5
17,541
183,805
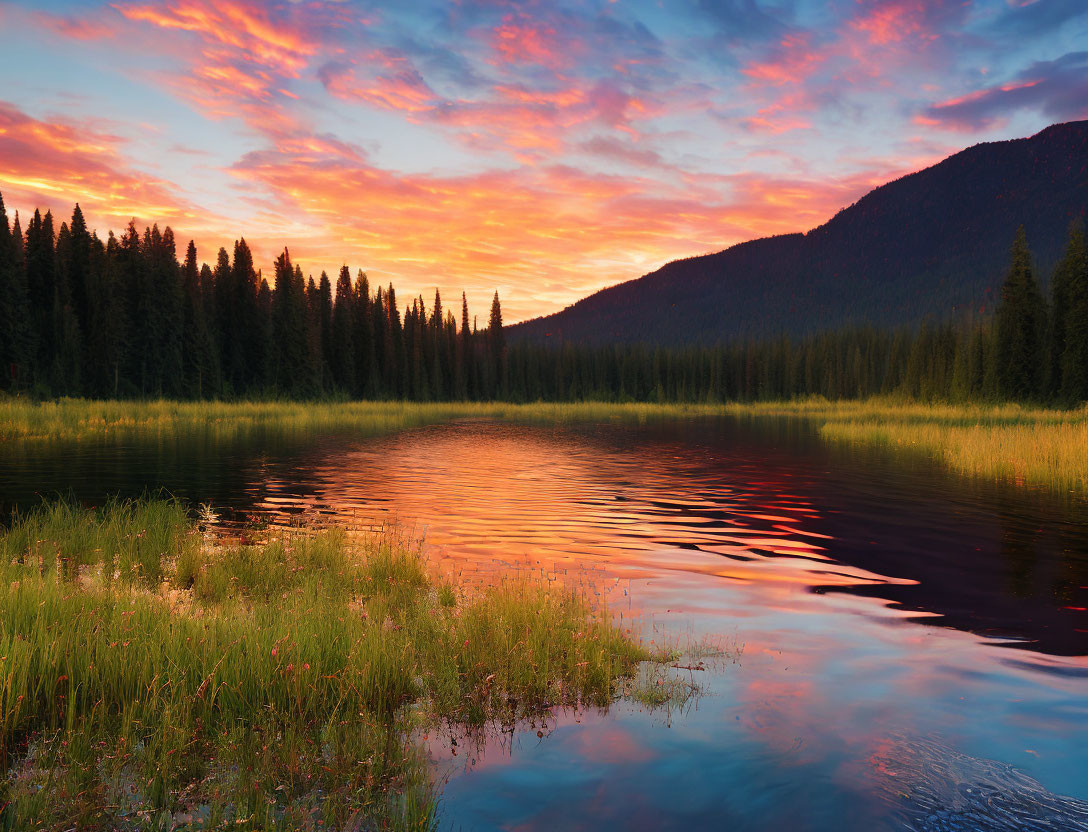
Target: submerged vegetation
x,y
151,678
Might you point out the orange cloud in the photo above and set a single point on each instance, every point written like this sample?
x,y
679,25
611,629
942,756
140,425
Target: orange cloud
x,y
543,235
239,24
55,163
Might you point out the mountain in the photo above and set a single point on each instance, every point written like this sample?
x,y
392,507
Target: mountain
x,y
929,246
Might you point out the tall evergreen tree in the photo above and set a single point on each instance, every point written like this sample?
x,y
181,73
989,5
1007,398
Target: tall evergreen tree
x,y
16,347
496,342
255,360
1021,321
264,348
368,336
1060,284
107,322
41,279
290,328
198,347
64,373
1074,298
464,355
324,321
231,363
342,343
78,267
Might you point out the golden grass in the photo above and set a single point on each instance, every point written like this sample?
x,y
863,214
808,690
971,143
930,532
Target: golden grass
x,y
1037,447
1034,446
1044,454
84,420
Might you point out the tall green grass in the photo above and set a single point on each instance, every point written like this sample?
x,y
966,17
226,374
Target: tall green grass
x,y
150,679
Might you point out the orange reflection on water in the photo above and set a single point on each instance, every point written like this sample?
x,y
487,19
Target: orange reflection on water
x,y
491,497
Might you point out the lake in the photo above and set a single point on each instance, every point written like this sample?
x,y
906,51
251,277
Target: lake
x,y
904,648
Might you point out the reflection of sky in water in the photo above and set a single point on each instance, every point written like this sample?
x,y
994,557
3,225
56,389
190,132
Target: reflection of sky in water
x,y
828,565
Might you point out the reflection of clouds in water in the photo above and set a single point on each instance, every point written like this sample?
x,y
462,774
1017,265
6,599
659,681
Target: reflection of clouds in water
x,y
783,739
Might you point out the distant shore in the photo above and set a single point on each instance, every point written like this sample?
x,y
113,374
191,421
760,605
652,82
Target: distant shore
x,y
1044,448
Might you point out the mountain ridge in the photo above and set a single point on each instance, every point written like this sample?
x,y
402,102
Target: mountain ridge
x,y
932,244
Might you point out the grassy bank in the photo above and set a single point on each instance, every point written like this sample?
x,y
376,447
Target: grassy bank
x,y
1038,447
1035,447
152,680
86,420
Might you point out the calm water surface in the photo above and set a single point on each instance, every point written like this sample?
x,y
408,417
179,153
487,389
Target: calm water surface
x,y
914,644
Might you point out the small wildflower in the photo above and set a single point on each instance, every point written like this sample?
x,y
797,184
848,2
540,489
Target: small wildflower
x,y
275,650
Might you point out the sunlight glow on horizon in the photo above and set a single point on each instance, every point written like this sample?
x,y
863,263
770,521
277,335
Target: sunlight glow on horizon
x,y
545,150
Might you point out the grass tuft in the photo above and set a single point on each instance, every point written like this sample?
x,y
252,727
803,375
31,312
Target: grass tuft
x,y
151,679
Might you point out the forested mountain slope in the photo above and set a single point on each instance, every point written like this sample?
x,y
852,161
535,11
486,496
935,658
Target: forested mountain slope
x,y
931,245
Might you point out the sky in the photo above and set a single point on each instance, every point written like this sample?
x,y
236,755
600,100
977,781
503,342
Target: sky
x,y
540,149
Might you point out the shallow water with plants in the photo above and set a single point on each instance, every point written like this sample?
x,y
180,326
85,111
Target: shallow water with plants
x,y
903,646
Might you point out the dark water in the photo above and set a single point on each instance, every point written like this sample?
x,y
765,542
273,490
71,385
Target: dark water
x,y
915,644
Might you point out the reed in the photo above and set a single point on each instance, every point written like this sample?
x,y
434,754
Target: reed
x,y
152,679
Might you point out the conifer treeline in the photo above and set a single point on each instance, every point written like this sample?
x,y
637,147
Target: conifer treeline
x,y
80,316
124,318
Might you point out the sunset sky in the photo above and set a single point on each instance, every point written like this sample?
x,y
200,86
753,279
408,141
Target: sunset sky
x,y
541,149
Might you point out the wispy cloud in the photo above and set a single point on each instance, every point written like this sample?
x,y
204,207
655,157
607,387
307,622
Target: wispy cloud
x,y
547,148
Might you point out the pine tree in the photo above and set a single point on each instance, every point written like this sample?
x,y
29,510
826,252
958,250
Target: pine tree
x,y
41,279
314,337
15,342
1021,319
167,289
464,355
107,321
64,374
1074,358
78,267
1064,277
343,345
264,339
198,349
396,361
230,358
324,319
496,342
289,326
252,354
368,337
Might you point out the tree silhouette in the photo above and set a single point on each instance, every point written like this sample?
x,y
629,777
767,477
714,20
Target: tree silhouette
x,y
1021,319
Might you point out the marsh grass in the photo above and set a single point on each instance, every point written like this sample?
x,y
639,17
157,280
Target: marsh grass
x,y
86,420
1040,447
149,680
1026,446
